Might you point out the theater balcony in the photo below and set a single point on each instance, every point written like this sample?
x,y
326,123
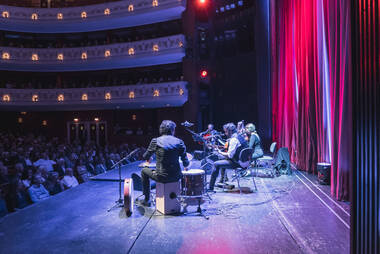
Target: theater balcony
x,y
97,17
142,96
163,50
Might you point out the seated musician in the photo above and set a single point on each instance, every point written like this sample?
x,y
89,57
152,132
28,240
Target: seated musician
x,y
210,130
254,141
210,133
168,149
236,143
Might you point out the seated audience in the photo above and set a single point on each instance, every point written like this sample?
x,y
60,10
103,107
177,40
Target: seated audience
x,y
52,184
69,179
100,167
46,162
37,191
22,196
60,167
81,170
24,163
3,204
26,179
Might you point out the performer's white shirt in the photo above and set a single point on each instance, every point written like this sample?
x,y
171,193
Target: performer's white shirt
x,y
233,144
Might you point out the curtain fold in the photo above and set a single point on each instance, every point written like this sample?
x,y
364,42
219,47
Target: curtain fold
x,y
311,85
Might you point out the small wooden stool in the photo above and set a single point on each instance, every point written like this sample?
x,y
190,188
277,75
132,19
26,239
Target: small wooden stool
x,y
166,197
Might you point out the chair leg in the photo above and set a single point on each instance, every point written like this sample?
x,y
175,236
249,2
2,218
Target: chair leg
x,y
253,180
238,181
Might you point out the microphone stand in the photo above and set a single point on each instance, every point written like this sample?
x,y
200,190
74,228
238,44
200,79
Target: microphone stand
x,y
120,201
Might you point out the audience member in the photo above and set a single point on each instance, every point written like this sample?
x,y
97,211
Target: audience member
x,y
37,191
46,162
60,167
52,184
27,178
69,179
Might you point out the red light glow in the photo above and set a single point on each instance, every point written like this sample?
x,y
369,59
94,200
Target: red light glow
x,y
204,73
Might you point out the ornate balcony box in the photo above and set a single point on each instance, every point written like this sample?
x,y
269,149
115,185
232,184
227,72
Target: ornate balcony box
x,y
157,51
158,95
113,15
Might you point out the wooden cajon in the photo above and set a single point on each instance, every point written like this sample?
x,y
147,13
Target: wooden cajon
x,y
166,197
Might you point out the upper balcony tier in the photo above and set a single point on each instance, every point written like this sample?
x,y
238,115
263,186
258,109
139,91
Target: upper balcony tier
x,y
170,94
97,17
164,50
53,3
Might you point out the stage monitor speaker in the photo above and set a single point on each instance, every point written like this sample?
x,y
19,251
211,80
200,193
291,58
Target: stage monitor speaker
x,y
324,170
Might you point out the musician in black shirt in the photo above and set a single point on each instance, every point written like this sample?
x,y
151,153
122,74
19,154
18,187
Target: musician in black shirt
x,y
168,150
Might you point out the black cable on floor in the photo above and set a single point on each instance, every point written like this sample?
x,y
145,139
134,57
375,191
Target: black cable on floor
x,y
137,237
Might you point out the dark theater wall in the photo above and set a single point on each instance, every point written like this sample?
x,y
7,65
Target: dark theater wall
x,y
118,123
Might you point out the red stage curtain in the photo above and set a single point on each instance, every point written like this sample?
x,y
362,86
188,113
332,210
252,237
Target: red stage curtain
x,y
311,85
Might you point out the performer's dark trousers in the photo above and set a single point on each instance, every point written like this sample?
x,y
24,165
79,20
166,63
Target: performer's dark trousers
x,y
146,174
218,165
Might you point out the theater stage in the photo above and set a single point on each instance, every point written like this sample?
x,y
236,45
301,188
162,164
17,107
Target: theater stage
x,y
288,214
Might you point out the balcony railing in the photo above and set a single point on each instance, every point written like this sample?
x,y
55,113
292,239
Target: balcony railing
x,y
171,94
97,17
157,51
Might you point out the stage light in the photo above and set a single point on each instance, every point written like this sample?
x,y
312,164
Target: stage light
x,y
180,44
76,120
59,16
34,57
6,98
6,56
130,7
5,14
96,119
156,93
83,15
181,91
20,120
60,57
23,113
204,73
44,123
155,3
201,2
155,47
131,51
35,98
133,117
34,16
60,98
131,95
107,53
84,97
107,96
84,56
107,12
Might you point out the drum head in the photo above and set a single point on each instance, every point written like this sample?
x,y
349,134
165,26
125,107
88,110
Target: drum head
x,y
194,172
128,196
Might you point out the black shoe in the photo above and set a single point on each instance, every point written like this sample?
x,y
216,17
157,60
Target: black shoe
x,y
223,180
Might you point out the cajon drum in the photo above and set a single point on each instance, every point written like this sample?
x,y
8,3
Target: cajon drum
x,y
166,197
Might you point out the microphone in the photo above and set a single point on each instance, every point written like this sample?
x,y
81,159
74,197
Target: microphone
x,y
187,124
